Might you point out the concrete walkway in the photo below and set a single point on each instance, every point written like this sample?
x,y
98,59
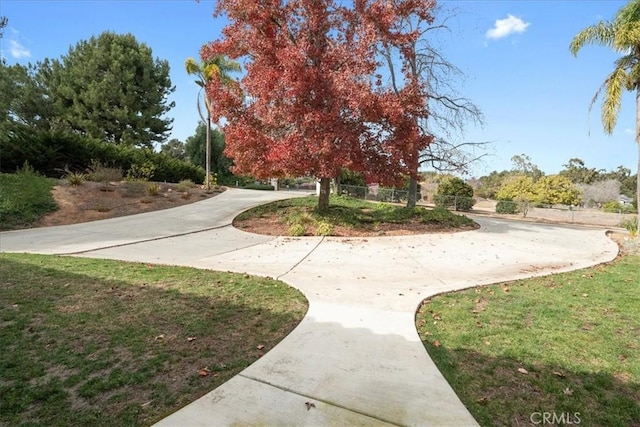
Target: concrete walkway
x,y
356,356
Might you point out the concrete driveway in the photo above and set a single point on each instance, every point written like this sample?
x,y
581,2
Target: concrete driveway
x,y
356,356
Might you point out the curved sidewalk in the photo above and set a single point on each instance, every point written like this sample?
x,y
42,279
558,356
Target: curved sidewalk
x,y
356,356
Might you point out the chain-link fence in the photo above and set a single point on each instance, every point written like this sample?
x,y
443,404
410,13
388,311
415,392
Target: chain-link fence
x,y
380,194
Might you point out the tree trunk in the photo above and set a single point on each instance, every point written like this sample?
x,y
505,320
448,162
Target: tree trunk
x,y
638,143
412,196
323,198
207,162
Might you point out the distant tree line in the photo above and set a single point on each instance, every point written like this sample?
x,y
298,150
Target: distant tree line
x,y
574,184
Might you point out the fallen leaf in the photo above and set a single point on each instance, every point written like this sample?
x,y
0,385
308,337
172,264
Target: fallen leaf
x,y
310,405
568,391
159,337
204,372
479,324
436,343
191,339
483,400
523,371
558,374
260,347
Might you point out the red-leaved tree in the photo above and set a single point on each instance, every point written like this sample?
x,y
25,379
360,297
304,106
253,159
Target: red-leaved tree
x,y
310,102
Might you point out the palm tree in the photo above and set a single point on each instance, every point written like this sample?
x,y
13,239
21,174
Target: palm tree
x,y
220,66
623,36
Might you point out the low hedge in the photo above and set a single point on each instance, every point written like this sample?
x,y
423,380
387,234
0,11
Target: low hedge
x,y
506,207
54,153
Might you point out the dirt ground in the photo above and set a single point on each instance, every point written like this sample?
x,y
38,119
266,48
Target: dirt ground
x,y
93,200
272,225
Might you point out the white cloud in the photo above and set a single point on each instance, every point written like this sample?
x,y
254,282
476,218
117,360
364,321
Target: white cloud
x,y
506,27
19,51
16,48
629,131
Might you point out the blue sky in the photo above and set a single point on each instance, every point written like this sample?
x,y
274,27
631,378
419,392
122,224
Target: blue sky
x,y
533,93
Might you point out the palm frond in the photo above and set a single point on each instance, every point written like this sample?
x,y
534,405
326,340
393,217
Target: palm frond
x,y
600,34
191,66
614,86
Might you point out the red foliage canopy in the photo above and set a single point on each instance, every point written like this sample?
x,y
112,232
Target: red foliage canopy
x,y
310,102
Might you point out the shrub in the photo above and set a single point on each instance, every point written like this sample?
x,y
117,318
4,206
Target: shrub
x,y
297,230
458,203
50,152
506,207
213,180
324,229
75,178
141,172
392,195
458,194
99,172
24,197
186,185
255,186
631,225
153,189
443,216
616,207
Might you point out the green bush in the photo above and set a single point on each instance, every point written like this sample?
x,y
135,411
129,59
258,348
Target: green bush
x,y
631,225
141,172
324,229
353,191
254,186
24,197
506,207
213,180
236,180
186,185
297,230
53,152
616,207
458,203
455,193
153,189
392,195
442,216
75,178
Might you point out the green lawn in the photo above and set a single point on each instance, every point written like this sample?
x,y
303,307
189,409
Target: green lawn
x,y
24,197
565,344
96,342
